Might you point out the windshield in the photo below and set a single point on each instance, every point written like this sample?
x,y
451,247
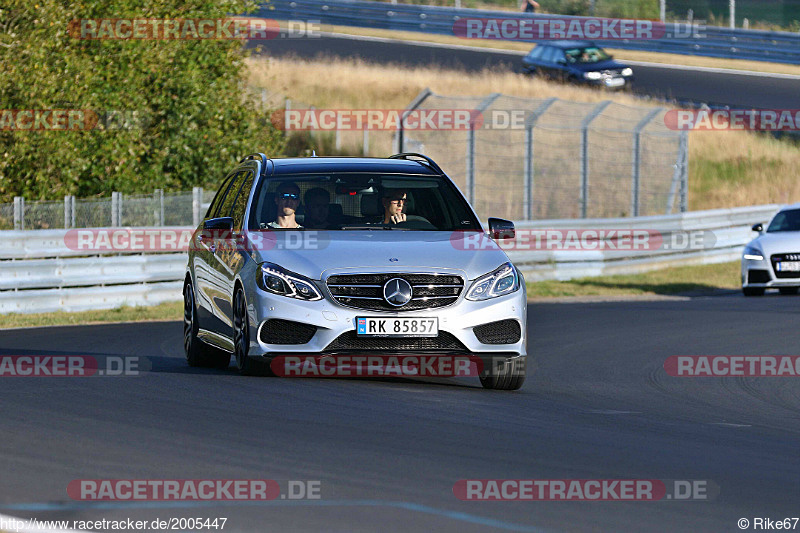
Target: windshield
x,y
785,221
352,202
590,54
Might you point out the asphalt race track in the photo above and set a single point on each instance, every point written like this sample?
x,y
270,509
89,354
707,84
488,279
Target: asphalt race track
x,y
388,452
693,86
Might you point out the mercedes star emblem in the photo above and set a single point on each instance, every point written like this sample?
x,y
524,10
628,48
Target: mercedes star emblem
x,y
397,292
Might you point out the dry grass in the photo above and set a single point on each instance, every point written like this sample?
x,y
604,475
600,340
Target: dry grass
x,y
727,169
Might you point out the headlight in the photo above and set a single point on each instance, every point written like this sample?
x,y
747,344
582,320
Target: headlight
x,y
592,75
750,252
627,71
277,280
502,281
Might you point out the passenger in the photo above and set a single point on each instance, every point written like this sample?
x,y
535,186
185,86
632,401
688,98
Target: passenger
x,y
317,201
394,201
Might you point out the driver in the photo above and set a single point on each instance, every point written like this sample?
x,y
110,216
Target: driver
x,y
287,198
394,201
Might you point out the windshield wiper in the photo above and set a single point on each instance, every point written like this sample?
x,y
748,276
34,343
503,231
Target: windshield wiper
x,y
375,226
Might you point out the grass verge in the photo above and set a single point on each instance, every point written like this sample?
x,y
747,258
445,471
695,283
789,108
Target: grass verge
x,y
669,281
165,311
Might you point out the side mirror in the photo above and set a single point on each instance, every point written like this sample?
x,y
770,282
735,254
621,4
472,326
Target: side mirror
x,y
562,61
500,229
758,227
219,224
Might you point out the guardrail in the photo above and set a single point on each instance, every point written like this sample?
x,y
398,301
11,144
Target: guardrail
x,y
39,273
711,41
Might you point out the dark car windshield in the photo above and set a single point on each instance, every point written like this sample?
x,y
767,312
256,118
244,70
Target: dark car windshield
x,y
785,221
589,54
362,202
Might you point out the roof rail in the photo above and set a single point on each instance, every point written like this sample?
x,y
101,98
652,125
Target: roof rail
x,y
411,156
261,157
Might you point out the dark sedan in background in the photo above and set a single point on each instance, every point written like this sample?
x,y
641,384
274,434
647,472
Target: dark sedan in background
x,y
577,62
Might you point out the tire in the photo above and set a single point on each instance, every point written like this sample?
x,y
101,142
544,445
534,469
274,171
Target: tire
x,y
504,374
246,365
198,353
753,291
788,291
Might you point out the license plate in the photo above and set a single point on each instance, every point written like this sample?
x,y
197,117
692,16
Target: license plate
x,y
788,266
397,327
615,82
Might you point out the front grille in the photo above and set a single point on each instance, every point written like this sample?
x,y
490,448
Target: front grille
x,y
351,342
277,331
365,291
501,332
784,257
757,276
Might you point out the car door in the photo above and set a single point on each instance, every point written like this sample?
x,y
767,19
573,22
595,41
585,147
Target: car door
x,y
530,62
546,65
230,258
208,283
559,62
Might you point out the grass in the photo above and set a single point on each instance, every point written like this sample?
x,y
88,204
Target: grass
x,y
726,168
165,311
629,55
669,281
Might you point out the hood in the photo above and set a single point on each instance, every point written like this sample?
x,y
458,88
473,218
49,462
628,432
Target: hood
x,y
779,242
317,254
609,64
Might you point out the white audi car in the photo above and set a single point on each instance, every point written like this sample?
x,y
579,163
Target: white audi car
x,y
772,260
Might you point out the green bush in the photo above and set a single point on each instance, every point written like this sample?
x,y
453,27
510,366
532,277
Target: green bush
x,y
188,120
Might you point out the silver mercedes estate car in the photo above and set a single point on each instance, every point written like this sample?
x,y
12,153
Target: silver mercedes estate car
x,y
342,256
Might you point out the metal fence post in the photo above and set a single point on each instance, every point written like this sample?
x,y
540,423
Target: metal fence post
x,y
67,209
585,154
684,171
72,210
637,156
158,195
365,142
287,106
477,112
116,209
530,123
415,103
19,212
197,205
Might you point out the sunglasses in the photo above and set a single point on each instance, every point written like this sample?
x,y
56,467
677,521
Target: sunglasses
x,y
289,196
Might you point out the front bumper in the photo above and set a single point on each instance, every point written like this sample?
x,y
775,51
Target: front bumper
x,y
761,274
333,320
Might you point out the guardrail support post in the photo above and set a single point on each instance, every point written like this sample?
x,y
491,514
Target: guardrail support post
x,y
733,14
530,123
19,212
585,154
415,103
197,203
684,171
116,209
478,111
637,156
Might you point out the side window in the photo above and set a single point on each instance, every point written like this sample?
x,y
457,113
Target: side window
x,y
547,54
240,204
536,53
227,202
558,55
219,196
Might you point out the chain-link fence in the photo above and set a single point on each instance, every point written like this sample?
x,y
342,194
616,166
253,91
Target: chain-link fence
x,y
530,159
156,209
